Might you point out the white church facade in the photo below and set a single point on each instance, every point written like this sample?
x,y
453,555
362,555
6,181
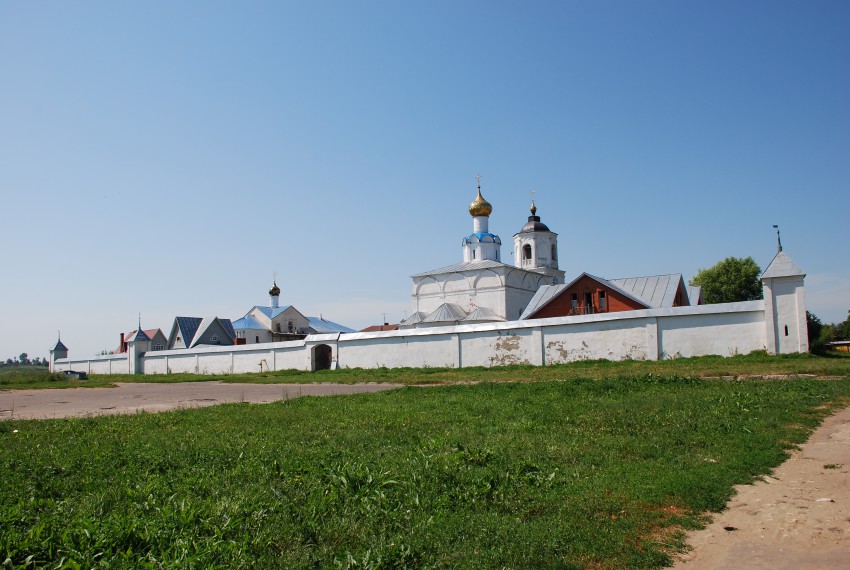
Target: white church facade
x,y
481,288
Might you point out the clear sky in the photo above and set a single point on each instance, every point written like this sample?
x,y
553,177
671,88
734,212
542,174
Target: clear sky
x,y
166,158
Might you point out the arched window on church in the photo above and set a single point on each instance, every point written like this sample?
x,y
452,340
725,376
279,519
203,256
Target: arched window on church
x,y
526,252
554,252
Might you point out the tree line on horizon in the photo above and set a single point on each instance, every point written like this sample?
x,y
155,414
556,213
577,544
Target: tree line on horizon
x,y
23,359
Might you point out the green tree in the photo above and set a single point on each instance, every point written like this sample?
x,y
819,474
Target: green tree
x,y
842,330
818,332
730,280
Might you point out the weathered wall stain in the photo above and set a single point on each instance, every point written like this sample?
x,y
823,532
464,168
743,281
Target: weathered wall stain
x,y
505,351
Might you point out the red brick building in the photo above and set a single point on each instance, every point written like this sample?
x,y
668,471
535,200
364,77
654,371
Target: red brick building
x,y
588,294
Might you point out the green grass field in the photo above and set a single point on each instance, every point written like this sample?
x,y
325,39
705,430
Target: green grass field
x,y
555,471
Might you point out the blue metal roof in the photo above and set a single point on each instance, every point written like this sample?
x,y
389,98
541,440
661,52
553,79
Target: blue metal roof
x,y
322,326
486,237
137,334
228,327
188,326
248,323
60,346
272,312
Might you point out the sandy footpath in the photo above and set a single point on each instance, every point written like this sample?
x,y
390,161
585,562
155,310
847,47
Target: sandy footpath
x,y
797,518
129,398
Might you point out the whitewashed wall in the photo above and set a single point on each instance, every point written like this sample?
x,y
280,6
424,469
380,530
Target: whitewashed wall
x,y
723,329
228,359
107,364
698,331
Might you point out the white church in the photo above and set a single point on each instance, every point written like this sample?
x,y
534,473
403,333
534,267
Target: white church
x,y
481,288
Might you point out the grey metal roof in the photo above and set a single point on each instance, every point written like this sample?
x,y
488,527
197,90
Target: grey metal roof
x,y
695,295
656,291
207,322
415,318
542,297
60,346
446,313
782,266
324,326
465,266
480,314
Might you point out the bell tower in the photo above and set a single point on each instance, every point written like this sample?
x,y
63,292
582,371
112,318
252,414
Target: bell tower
x,y
536,247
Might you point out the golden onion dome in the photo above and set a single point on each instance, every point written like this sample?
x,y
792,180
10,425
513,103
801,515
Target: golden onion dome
x,y
480,206
275,290
533,209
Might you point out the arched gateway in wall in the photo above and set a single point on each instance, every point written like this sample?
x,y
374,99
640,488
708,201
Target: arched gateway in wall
x,y
321,356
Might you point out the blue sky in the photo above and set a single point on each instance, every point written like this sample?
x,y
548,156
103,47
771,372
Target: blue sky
x,y
167,158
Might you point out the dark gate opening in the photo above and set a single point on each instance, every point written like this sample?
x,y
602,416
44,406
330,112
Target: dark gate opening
x,y
322,357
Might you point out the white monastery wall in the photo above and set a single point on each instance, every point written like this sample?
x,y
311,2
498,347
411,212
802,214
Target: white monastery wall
x,y
106,364
398,349
695,331
499,347
591,339
227,359
723,329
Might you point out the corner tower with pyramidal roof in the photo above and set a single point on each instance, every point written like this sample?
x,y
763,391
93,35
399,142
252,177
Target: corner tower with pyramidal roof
x,y
784,305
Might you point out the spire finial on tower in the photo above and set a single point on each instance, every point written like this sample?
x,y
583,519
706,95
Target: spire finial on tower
x,y
778,239
478,178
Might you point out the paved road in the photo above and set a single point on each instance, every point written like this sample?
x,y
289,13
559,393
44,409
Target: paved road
x,y
129,398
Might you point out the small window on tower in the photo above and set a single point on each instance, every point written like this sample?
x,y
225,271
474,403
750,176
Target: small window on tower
x,y
554,252
473,254
526,251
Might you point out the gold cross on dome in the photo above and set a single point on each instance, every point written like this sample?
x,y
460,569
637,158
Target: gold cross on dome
x,y
478,178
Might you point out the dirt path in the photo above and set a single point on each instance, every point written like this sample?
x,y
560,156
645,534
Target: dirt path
x,y
798,518
129,398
